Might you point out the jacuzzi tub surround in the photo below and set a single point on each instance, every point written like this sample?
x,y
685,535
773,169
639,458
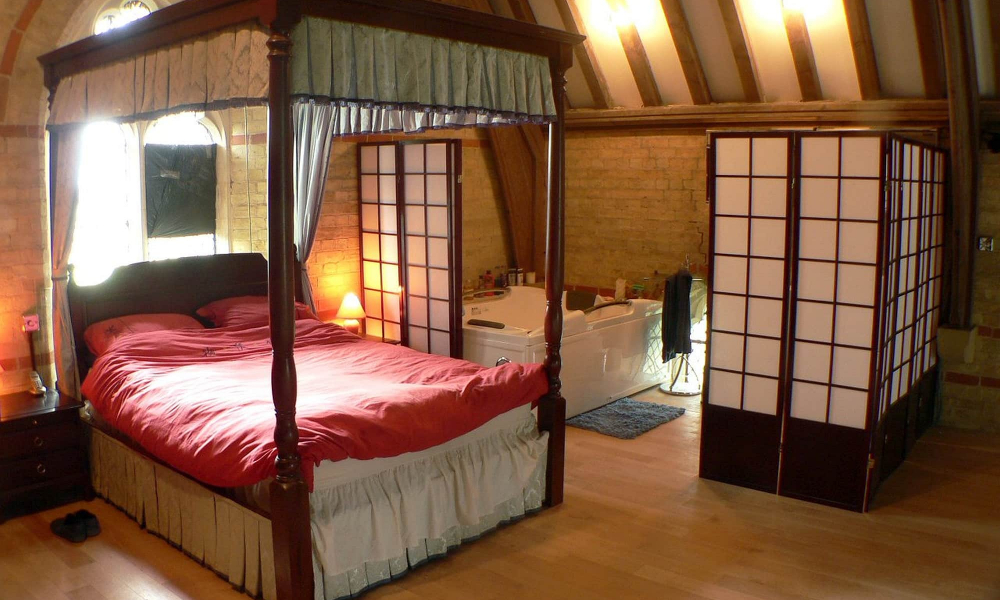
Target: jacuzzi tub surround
x,y
607,353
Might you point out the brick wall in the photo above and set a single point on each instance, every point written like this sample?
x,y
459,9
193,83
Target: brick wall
x,y
248,179
25,32
971,392
635,204
23,256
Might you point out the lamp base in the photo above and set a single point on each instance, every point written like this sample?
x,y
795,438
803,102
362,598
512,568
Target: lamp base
x,y
353,326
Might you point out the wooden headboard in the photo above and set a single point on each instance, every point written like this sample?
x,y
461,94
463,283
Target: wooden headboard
x,y
181,285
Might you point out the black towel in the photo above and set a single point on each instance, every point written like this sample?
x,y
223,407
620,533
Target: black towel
x,y
677,315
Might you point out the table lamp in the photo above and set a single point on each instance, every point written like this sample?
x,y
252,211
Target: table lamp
x,y
352,312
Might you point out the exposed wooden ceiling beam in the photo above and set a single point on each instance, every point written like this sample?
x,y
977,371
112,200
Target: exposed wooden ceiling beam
x,y
687,52
963,111
586,57
638,61
925,16
802,55
994,15
741,50
502,8
860,33
917,114
522,10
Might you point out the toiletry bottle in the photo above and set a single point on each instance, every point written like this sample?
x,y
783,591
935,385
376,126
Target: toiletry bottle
x,y
488,282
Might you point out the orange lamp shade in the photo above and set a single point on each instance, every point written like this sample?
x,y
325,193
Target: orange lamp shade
x,y
352,312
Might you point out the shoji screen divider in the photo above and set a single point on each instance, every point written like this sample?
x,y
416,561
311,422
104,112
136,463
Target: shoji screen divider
x,y
411,243
849,359
748,300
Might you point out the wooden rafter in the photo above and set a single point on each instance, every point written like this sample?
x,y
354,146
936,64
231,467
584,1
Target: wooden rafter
x,y
802,55
522,11
994,16
913,113
638,60
741,50
860,33
929,45
585,55
687,52
964,117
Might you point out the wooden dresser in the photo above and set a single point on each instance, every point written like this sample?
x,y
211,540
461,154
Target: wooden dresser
x,y
42,458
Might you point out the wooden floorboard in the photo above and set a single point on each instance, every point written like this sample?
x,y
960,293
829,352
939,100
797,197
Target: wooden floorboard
x,y
637,523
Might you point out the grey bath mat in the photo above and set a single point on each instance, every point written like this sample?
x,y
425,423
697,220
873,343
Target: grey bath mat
x,y
626,419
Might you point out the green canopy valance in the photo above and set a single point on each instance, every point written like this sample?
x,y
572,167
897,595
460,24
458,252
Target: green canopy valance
x,y
350,63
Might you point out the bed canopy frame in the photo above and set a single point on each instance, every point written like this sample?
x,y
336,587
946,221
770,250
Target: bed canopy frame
x,y
276,21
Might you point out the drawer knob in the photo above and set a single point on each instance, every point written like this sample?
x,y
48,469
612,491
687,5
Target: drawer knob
x,y
41,469
34,422
39,442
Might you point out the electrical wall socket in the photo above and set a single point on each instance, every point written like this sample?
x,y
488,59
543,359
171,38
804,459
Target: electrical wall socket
x,y
30,323
985,243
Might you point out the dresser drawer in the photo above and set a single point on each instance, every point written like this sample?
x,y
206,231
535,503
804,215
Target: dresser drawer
x,y
43,468
39,440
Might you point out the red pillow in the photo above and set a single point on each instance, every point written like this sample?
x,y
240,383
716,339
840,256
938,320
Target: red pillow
x,y
99,336
245,311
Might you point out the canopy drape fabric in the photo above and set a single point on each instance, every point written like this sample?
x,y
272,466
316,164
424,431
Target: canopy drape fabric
x,y
67,146
223,68
354,119
313,125
361,66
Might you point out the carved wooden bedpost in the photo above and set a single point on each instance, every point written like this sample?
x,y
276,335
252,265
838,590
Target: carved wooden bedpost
x,y
552,407
290,528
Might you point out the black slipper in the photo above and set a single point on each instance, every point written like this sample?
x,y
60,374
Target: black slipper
x,y
89,521
70,528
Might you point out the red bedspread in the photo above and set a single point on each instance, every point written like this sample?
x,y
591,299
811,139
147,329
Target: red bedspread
x,y
200,400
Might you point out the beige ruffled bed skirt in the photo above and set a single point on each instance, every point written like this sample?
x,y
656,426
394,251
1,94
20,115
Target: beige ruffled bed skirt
x,y
235,541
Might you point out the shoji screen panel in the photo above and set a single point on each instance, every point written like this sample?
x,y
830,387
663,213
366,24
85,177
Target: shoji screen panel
x,y
912,288
432,262
380,243
749,187
835,316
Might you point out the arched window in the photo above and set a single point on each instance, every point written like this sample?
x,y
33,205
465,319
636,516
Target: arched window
x,y
148,193
180,153
123,14
108,229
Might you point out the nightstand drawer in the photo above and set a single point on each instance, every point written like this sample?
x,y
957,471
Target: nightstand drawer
x,y
39,440
45,467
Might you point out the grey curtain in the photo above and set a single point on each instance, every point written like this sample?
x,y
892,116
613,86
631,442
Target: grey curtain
x,y
313,125
348,63
67,146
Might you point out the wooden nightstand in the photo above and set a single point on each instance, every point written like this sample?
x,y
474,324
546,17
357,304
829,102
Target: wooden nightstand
x,y
42,457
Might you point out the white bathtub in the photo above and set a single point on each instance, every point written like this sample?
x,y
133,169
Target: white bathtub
x,y
607,354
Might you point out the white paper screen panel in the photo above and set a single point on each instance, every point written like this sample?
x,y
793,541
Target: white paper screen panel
x,y
839,206
428,247
380,243
749,206
913,262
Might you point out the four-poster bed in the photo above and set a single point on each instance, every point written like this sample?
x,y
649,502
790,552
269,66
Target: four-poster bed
x,y
433,64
